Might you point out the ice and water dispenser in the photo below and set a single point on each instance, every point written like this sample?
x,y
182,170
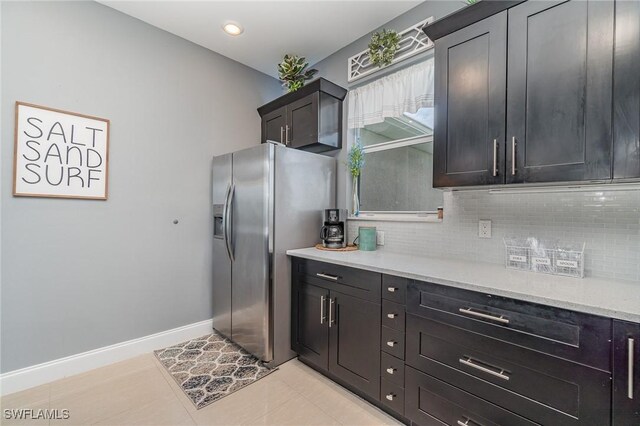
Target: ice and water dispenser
x,y
218,225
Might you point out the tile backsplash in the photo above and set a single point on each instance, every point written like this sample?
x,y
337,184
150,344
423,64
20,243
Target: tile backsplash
x,y
607,221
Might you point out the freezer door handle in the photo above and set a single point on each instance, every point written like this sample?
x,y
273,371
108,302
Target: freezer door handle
x,y
228,224
225,233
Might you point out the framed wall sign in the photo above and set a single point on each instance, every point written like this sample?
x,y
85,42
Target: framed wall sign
x,y
60,154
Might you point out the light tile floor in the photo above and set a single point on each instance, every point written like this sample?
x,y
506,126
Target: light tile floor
x,y
140,392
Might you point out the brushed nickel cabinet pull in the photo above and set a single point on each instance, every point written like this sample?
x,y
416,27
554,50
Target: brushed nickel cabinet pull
x,y
468,311
391,343
495,157
281,134
391,370
322,306
331,320
392,316
286,135
391,289
630,349
468,423
327,276
470,363
513,155
390,397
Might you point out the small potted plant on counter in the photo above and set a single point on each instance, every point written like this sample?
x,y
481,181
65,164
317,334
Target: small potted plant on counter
x,y
356,163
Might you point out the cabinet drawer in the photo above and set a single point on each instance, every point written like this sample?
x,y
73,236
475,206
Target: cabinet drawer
x,y
353,282
394,288
393,342
393,315
392,396
392,369
540,387
429,401
566,334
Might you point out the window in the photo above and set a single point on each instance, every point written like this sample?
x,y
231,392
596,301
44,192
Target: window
x,y
398,144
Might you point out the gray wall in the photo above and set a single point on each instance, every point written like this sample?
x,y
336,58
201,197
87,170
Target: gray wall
x,y
78,275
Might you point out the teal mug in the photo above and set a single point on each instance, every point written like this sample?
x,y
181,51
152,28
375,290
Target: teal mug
x,y
367,238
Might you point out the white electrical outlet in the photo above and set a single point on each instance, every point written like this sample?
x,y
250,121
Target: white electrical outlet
x,y
380,238
484,229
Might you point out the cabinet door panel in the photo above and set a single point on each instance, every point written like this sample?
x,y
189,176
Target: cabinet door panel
x,y
355,342
470,84
273,125
626,91
310,331
626,381
559,91
302,119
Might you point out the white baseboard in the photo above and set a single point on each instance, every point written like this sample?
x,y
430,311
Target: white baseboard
x,y
24,378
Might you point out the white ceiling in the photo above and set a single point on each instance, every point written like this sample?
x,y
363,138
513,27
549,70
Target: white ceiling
x,y
314,29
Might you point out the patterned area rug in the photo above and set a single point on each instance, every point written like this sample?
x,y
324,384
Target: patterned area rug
x,y
211,367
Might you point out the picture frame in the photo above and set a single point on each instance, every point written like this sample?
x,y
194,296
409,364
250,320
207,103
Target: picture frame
x,y
60,154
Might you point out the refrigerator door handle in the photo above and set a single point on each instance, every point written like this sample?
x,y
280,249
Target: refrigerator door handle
x,y
228,224
225,234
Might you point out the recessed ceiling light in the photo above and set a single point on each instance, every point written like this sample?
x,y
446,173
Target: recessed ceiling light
x,y
233,28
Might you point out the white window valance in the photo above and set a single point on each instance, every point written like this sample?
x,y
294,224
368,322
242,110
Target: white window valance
x,y
406,90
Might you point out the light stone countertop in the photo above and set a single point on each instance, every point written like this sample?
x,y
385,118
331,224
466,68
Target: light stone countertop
x,y
609,298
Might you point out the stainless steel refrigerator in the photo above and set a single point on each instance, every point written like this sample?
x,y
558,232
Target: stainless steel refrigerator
x,y
266,200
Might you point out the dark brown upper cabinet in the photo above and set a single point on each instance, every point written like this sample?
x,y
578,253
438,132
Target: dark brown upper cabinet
x,y
309,118
559,90
555,84
626,91
470,90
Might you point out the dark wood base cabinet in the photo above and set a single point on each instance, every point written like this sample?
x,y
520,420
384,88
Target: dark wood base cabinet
x,y
336,331
432,402
431,354
626,373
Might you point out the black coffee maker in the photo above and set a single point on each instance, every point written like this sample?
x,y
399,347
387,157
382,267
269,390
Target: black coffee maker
x,y
334,231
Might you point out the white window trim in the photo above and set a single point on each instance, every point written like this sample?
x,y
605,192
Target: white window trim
x,y
398,216
429,217
399,143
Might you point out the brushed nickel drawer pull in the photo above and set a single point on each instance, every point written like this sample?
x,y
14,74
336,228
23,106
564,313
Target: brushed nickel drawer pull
x,y
327,276
392,316
469,363
390,397
322,305
468,423
391,370
468,311
391,343
630,349
392,289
